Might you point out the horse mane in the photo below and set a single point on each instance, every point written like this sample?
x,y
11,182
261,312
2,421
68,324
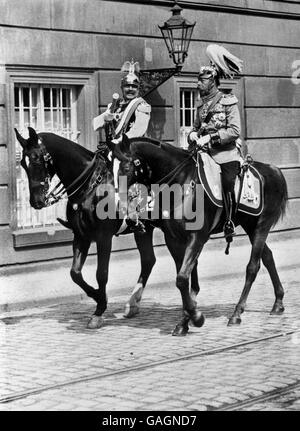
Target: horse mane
x,y
67,145
166,146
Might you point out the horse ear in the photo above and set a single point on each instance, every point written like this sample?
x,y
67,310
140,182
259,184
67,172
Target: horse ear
x,y
20,138
33,137
125,144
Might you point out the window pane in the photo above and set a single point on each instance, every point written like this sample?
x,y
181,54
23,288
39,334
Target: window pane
x,y
187,113
34,117
47,117
17,101
46,92
66,119
26,117
187,99
65,97
26,96
54,97
34,95
188,118
55,120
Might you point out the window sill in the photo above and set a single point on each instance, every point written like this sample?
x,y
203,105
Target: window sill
x,y
41,236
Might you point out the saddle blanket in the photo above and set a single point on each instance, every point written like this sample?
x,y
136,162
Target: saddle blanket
x,y
251,195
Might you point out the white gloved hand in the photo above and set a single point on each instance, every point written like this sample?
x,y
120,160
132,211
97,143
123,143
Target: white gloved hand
x,y
193,136
116,141
108,116
204,140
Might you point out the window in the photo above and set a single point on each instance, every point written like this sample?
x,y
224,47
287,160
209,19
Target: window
x,y
59,100
187,114
49,108
185,108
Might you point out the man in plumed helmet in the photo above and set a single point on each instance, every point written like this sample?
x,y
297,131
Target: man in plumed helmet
x,y
128,115
217,124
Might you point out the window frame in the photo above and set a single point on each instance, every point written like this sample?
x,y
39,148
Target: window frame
x,y
181,82
87,107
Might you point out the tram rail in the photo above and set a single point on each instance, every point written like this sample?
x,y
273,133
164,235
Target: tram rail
x,y
98,376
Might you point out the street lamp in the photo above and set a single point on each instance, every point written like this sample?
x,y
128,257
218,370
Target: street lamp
x,y
177,32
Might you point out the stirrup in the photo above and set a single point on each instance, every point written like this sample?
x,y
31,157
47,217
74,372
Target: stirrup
x,y
229,228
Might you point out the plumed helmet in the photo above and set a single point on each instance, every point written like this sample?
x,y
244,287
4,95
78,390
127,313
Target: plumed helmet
x,y
226,64
131,70
223,64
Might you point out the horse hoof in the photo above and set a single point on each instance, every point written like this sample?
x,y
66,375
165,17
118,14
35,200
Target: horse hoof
x,y
198,320
277,310
95,322
180,330
131,311
234,321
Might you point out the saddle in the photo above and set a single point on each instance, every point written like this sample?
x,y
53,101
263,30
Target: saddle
x,y
248,185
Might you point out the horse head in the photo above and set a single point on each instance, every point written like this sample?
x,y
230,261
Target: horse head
x,y
35,162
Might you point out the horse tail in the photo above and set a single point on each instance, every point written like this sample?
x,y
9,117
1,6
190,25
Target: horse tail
x,y
284,197
65,223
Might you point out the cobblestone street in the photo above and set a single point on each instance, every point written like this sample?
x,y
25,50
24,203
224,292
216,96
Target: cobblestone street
x,y
50,361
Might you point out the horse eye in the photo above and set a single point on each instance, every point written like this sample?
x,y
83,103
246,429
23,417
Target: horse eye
x,y
27,161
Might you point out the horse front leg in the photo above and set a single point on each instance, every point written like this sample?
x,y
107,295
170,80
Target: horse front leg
x,y
80,250
192,251
104,243
145,246
185,257
195,288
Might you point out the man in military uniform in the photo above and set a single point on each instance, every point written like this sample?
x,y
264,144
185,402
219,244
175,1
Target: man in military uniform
x,y
217,127
129,115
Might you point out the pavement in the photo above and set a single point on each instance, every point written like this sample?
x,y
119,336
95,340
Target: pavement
x,y
50,361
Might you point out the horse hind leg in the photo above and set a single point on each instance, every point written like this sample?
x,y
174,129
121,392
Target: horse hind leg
x,y
258,239
147,257
268,261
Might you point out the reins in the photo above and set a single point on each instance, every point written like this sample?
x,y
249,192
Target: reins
x,y
60,190
174,171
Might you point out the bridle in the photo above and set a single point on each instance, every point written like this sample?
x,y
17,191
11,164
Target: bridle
x,y
59,191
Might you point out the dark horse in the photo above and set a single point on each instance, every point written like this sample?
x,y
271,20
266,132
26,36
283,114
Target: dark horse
x,y
46,154
163,163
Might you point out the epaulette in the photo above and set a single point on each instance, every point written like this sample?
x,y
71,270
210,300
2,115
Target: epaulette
x,y
144,107
228,99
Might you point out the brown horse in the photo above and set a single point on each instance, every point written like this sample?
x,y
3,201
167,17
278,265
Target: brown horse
x,y
148,162
46,154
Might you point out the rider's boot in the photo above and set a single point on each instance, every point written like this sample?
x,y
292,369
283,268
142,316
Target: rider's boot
x,y
229,227
135,225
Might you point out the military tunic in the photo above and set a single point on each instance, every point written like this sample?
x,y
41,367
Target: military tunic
x,y
134,122
224,126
